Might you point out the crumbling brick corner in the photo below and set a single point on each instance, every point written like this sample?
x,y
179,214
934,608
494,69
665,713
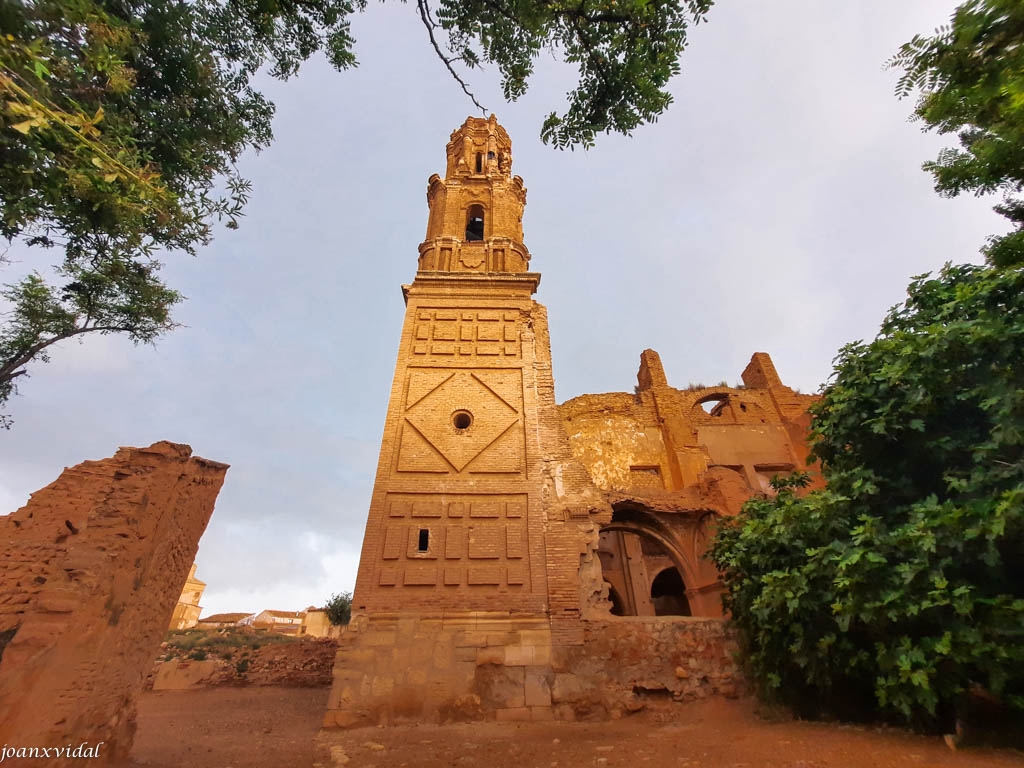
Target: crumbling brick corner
x,y
90,570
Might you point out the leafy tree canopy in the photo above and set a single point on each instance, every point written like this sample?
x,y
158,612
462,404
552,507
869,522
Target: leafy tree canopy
x,y
339,608
971,77
901,585
121,122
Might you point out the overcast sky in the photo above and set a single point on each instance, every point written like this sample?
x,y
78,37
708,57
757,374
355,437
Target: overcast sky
x,y
779,206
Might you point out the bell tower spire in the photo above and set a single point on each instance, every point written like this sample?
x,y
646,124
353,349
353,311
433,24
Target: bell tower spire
x,y
476,211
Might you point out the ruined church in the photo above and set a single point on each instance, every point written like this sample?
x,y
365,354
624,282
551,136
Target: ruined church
x,y
526,560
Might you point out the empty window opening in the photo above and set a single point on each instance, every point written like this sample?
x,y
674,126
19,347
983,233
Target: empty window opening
x,y
424,543
475,224
668,593
462,419
479,162
715,406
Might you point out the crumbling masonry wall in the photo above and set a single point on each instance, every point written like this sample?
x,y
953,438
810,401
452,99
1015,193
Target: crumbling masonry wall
x,y
496,665
625,662
90,570
672,462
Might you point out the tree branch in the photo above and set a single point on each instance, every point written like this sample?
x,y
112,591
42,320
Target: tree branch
x,y
8,370
431,25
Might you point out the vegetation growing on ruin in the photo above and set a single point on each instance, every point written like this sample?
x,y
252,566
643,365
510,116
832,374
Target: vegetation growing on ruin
x,y
900,588
221,643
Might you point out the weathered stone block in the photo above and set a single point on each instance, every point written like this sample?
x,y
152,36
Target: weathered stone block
x,y
513,714
499,687
537,690
518,656
565,687
382,685
490,655
542,655
443,653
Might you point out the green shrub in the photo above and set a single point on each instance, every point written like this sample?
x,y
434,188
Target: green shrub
x,y
900,587
339,608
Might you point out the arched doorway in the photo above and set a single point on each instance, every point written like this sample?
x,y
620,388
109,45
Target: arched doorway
x,y
668,594
643,576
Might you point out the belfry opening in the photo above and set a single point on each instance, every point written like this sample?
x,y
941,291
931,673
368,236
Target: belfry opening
x,y
475,224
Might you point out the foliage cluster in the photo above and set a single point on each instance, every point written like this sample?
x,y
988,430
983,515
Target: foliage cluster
x,y
970,75
339,609
899,588
626,52
121,122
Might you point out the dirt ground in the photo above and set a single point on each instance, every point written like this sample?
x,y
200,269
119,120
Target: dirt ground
x,y
277,727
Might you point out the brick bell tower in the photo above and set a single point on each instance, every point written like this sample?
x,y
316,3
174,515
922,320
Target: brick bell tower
x,y
469,578
454,518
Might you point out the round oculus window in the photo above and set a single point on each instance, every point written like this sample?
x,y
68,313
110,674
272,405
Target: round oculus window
x,y
461,420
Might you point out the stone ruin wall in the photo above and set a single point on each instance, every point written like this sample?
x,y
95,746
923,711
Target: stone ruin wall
x,y
661,442
497,665
305,663
90,570
672,462
579,661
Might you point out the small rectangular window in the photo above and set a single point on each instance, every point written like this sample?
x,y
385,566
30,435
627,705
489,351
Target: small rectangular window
x,y
479,162
424,542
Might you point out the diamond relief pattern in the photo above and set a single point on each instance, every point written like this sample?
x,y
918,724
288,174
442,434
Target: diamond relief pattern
x,y
462,391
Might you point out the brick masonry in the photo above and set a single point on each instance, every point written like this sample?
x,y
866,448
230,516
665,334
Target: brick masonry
x,y
482,589
90,571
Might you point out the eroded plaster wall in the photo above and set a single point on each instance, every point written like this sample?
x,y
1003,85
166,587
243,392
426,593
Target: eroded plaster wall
x,y
671,462
90,571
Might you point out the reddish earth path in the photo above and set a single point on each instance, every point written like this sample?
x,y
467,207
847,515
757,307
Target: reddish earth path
x,y
276,728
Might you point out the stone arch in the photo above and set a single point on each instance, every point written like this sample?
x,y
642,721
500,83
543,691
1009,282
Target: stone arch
x,y
715,405
639,520
680,538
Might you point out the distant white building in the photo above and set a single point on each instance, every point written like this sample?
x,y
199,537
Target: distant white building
x,y
221,620
284,622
